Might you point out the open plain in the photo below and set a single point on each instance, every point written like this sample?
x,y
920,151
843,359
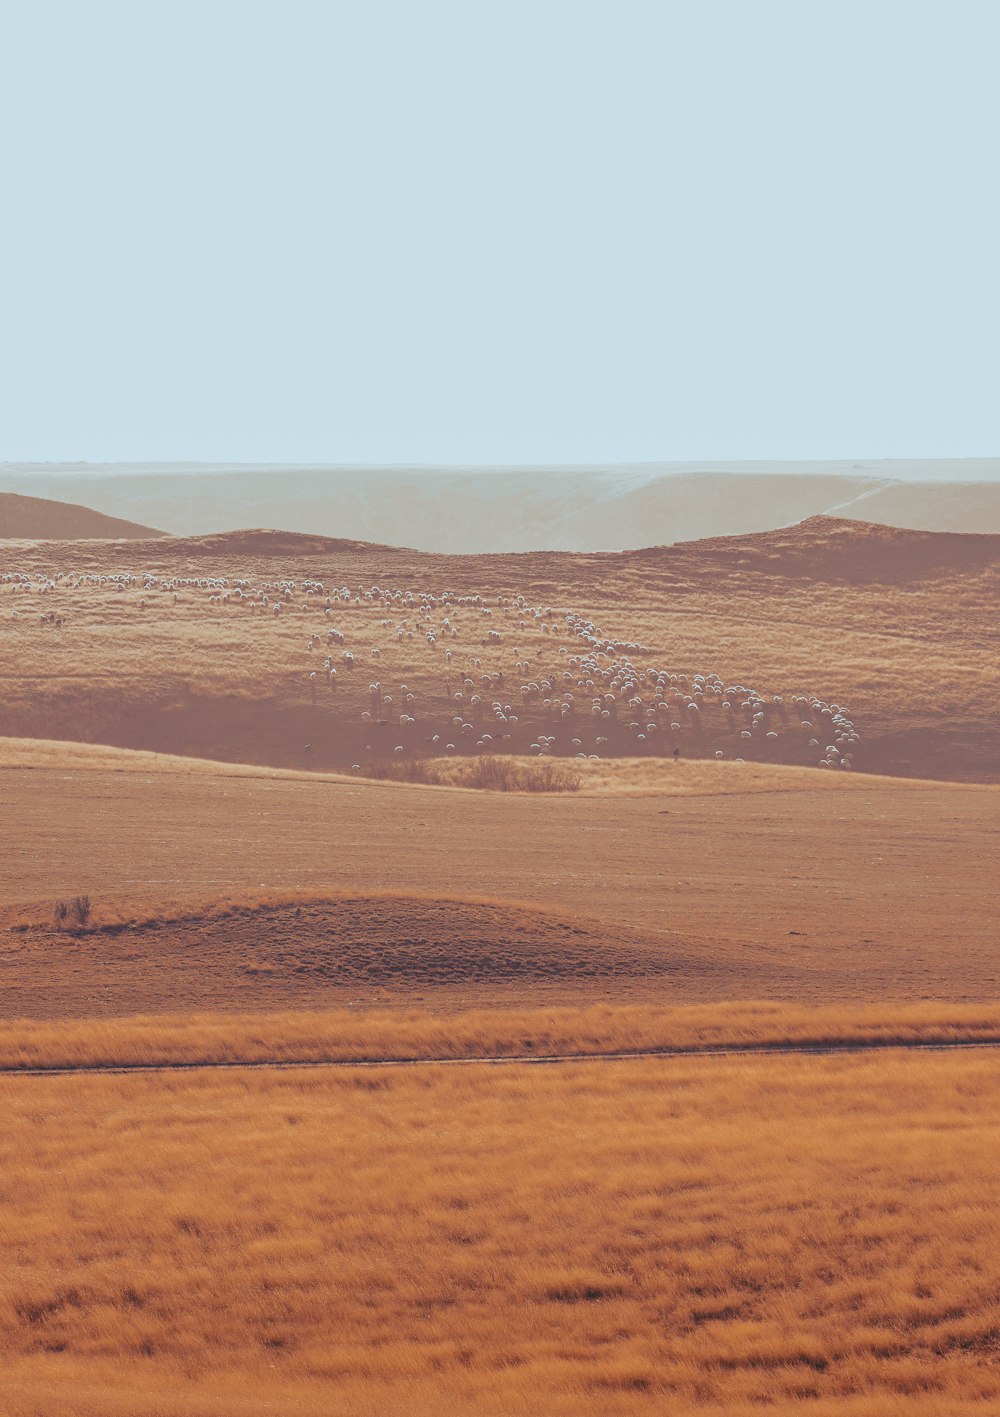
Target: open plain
x,y
321,802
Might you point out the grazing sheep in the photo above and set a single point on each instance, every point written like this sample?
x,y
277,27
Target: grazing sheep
x,y
611,682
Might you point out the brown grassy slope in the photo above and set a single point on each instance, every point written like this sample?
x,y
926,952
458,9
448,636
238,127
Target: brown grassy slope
x,y
900,626
610,777
39,519
376,951
310,953
892,883
358,1244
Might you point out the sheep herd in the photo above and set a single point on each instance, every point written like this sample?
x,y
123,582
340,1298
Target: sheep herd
x,y
462,673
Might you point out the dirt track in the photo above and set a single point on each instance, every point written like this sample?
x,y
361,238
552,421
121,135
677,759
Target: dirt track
x,y
545,1060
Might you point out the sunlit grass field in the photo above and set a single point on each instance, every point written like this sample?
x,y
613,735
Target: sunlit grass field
x,y
385,1035
813,1233
648,1236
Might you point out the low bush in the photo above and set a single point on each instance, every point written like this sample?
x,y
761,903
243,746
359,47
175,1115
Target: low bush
x,y
500,774
510,775
71,913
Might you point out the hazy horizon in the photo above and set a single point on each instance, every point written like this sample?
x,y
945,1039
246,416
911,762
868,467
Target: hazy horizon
x,y
970,469
467,510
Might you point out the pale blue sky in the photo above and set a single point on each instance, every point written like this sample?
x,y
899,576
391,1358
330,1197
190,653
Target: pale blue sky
x,y
519,232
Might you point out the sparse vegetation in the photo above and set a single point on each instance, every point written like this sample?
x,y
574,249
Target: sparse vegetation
x,y
737,888
69,914
491,774
423,771
520,775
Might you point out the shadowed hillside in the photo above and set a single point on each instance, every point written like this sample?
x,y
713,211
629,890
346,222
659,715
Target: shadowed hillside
x,y
38,519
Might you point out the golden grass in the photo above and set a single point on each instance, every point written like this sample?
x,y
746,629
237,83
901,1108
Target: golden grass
x,y
110,913
490,774
777,1234
345,1035
626,777
647,1236
40,754
657,777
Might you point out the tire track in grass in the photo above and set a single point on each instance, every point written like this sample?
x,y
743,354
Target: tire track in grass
x,y
739,1050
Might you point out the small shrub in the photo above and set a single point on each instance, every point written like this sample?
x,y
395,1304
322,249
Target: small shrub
x,y
500,774
491,774
548,777
71,913
509,775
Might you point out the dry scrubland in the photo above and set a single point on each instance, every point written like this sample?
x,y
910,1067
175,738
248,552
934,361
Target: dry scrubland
x,y
709,1234
900,627
360,1243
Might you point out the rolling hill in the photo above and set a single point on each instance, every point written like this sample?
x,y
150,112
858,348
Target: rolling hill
x,y
41,519
476,510
622,1231
232,652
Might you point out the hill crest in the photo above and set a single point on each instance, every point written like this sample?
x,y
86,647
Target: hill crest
x,y
824,547
467,511
44,519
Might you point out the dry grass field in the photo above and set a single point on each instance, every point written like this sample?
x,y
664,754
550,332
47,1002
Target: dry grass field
x,y
347,1037
899,628
718,1233
808,1234
367,952
846,890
